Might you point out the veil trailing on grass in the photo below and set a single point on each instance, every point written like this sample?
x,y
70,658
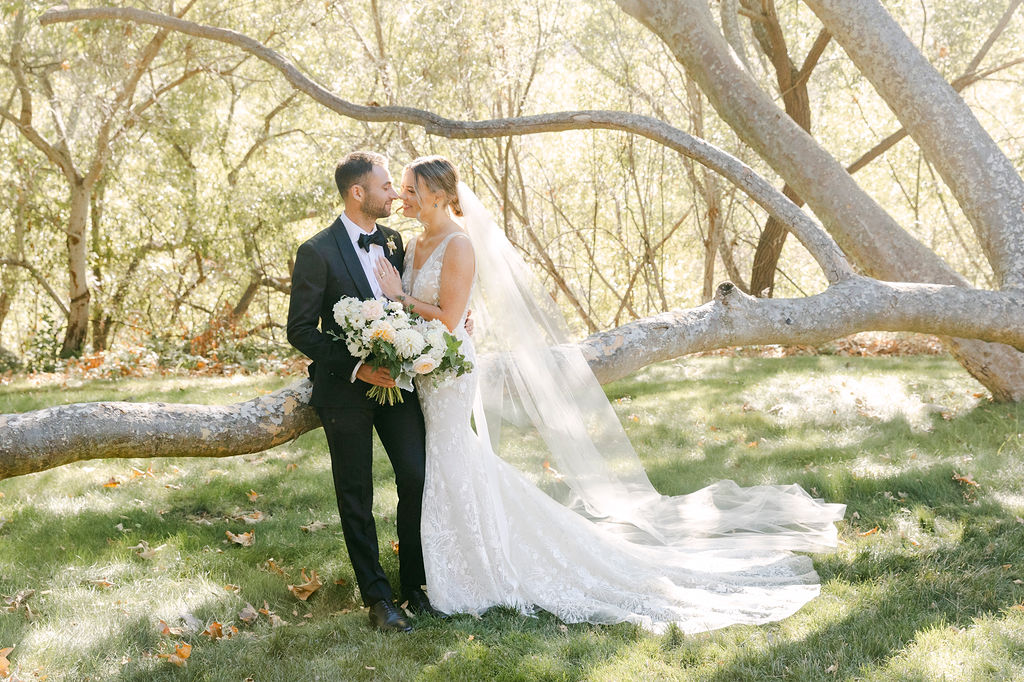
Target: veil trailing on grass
x,y
535,385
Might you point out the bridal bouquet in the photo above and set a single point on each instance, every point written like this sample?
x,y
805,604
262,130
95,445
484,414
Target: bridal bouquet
x,y
383,333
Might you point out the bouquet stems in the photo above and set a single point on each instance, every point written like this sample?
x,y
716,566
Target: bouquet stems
x,y
388,396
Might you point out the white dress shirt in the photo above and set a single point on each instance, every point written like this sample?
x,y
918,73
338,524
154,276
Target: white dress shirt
x,y
366,259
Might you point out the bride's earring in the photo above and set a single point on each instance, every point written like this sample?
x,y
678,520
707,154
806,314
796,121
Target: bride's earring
x,y
435,204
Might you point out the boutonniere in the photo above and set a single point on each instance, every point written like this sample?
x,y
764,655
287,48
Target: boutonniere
x,y
391,246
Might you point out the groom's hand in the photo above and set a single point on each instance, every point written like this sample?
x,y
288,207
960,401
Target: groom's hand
x,y
378,376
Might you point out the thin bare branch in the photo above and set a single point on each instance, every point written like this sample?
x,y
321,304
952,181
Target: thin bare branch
x,y
815,239
39,277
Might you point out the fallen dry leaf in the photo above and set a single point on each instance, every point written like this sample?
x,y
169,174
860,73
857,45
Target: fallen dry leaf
x,y
17,601
251,518
243,539
548,469
394,546
274,568
167,630
339,581
232,588
314,527
248,614
252,495
101,583
139,473
214,630
145,551
832,668
869,532
276,620
5,665
112,483
966,479
311,585
181,653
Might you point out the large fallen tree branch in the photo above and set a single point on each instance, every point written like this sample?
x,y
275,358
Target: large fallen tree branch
x,y
43,439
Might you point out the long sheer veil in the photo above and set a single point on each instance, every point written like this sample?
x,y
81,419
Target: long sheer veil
x,y
536,385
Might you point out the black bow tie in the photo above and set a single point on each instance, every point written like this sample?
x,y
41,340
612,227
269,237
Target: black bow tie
x,y
377,237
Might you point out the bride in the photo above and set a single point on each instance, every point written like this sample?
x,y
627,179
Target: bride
x,y
583,535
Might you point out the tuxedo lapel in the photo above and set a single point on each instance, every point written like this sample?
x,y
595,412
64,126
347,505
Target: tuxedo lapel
x,y
348,255
395,254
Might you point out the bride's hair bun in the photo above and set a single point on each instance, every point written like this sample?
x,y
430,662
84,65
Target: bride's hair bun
x,y
440,176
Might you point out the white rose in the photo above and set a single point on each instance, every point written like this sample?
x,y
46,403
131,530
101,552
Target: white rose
x,y
394,306
424,364
372,309
409,343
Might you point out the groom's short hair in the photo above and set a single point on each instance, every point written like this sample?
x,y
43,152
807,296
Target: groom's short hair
x,y
354,167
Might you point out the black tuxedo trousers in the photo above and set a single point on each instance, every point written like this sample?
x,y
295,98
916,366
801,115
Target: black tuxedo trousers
x,y
327,268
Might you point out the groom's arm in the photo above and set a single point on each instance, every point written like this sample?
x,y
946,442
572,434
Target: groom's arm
x,y
309,283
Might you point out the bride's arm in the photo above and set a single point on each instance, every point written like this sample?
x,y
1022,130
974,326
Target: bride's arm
x,y
457,271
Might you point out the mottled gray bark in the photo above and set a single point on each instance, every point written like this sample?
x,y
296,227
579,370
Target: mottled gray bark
x,y
870,236
866,233
857,304
39,440
981,177
43,439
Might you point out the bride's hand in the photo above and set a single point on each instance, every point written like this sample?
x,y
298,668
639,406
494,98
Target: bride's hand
x,y
388,278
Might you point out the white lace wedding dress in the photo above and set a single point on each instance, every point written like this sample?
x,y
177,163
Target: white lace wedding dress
x,y
491,537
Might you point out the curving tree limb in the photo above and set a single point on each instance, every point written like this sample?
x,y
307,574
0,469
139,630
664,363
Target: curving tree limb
x,y
818,242
43,439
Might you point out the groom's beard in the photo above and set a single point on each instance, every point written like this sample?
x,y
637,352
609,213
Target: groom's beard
x,y
378,210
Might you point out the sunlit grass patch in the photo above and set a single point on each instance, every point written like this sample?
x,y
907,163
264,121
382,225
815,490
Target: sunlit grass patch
x,y
924,584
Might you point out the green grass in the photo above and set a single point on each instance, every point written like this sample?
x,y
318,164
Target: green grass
x,y
931,595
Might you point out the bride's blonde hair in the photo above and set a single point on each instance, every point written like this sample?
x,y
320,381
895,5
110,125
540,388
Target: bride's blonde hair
x,y
440,176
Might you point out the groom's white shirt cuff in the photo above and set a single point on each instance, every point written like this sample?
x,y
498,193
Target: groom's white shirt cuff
x,y
358,365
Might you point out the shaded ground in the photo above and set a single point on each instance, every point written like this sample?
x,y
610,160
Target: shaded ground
x,y
934,593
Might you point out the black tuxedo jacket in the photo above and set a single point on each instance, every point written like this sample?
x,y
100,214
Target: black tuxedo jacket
x,y
327,268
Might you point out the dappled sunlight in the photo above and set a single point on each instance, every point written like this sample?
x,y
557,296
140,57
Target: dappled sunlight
x,y
84,618
979,651
845,399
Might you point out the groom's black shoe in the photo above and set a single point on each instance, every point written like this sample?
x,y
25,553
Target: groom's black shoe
x,y
384,616
419,605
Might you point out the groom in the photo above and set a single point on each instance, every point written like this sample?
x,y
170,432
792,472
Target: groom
x,y
338,262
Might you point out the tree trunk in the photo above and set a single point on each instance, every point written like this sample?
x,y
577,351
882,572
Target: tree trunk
x,y
865,232
78,281
39,440
984,181
792,84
